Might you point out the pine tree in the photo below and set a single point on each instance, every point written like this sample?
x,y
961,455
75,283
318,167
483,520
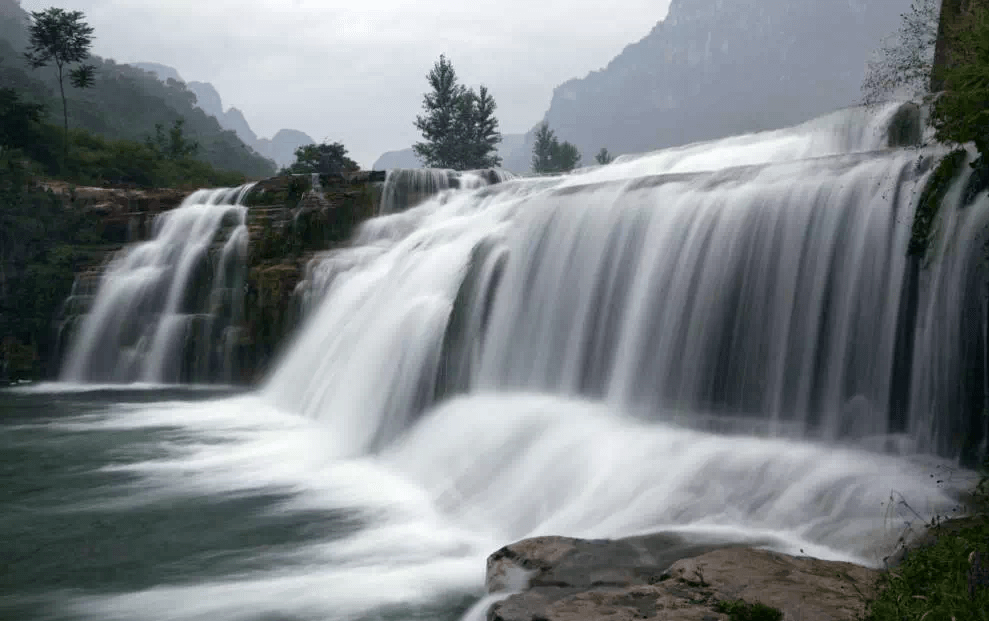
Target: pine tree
x,y
441,106
459,128
486,135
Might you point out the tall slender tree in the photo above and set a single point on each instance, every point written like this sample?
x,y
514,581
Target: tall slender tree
x,y
440,106
62,38
542,150
903,65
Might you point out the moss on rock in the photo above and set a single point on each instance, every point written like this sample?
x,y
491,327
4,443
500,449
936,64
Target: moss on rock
x,y
930,202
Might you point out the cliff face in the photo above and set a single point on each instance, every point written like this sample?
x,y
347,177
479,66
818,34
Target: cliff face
x,y
714,68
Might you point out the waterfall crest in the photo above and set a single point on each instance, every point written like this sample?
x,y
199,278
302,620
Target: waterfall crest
x,y
168,310
770,293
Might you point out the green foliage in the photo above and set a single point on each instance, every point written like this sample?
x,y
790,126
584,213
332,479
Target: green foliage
x,y
61,38
174,145
41,248
930,202
903,66
549,155
124,103
459,128
321,158
604,157
961,111
20,120
932,582
742,611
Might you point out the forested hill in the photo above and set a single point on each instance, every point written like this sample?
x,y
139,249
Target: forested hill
x,y
714,68
124,102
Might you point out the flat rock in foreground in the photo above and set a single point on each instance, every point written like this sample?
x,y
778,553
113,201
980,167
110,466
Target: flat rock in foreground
x,y
563,579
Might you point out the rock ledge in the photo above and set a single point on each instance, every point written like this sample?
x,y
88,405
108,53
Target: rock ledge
x,y
662,577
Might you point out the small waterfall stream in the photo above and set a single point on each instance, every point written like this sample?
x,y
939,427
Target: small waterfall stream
x,y
168,310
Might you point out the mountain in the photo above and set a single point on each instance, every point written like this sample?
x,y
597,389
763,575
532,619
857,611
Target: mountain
x,y
124,103
714,68
406,158
280,149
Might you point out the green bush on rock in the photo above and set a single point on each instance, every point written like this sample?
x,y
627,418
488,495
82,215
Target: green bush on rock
x,y
930,201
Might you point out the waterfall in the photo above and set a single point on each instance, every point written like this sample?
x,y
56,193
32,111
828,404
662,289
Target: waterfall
x,y
406,188
757,284
168,310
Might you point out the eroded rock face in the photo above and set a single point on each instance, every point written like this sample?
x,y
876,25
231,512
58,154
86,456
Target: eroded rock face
x,y
663,577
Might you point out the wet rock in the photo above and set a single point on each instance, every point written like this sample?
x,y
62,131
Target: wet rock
x,y
663,577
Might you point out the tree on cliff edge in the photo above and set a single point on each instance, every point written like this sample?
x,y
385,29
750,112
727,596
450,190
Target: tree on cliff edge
x,y
61,38
961,110
458,125
903,65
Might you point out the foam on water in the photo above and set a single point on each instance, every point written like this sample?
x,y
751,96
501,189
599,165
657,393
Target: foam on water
x,y
715,340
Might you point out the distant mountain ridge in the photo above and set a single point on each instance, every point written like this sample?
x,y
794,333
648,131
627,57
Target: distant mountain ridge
x,y
280,148
124,103
715,68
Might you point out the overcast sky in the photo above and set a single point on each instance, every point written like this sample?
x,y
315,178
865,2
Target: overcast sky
x,y
355,71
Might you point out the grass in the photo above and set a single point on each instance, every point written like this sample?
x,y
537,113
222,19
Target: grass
x,y
743,611
932,581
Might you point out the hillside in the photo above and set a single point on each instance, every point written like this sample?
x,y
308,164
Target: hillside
x,y
124,103
280,148
714,68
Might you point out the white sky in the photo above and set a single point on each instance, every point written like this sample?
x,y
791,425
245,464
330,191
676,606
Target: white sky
x,y
355,71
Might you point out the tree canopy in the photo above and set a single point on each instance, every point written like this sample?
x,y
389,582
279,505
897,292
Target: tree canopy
x,y
903,65
458,124
321,158
61,38
961,110
549,155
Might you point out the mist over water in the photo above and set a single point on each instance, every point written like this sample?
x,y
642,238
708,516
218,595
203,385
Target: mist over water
x,y
725,341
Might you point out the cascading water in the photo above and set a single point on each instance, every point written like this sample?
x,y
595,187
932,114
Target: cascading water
x,y
168,310
407,187
766,297
726,341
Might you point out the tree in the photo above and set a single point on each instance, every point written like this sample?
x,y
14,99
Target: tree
x,y
549,155
62,38
19,120
542,150
458,126
903,68
566,157
961,110
603,157
321,158
174,145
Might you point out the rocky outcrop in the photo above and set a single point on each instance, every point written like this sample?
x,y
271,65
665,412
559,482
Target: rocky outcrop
x,y
663,577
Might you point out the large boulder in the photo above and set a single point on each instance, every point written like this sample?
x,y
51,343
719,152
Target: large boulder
x,y
665,577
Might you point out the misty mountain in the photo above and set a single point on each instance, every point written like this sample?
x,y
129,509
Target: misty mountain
x,y
714,68
124,102
280,149
406,158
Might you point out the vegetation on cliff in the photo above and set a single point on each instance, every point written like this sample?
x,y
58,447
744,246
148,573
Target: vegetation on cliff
x,y
961,110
